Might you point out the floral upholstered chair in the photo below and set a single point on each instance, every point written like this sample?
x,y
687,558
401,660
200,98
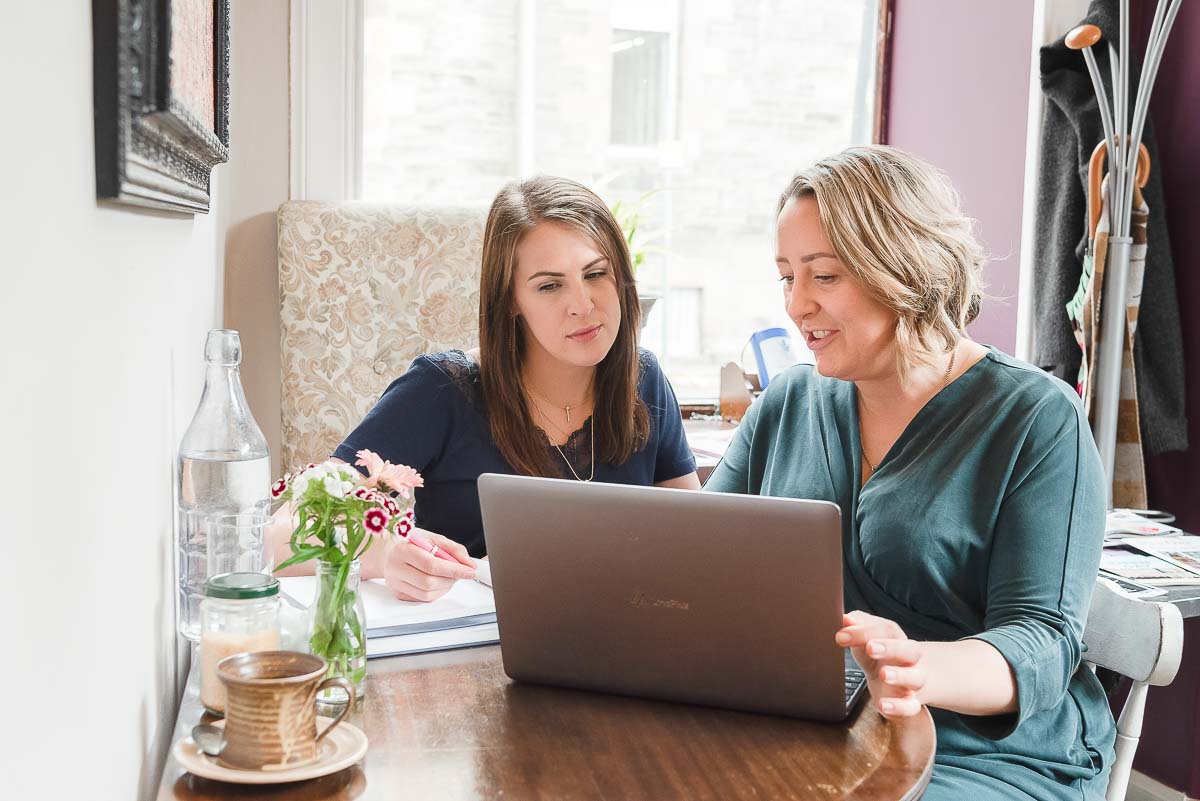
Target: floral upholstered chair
x,y
364,290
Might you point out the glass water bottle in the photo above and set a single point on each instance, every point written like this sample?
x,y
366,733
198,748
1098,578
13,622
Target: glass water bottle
x,y
224,484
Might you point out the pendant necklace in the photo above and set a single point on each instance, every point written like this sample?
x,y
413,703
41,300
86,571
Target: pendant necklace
x,y
566,408
592,426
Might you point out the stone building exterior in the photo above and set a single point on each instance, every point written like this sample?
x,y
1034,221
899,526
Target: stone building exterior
x,y
737,95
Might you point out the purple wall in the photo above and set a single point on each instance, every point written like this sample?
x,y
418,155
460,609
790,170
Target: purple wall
x,y
1170,748
960,100
1175,109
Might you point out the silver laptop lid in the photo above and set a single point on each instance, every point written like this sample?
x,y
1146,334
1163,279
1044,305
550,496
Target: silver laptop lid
x,y
708,598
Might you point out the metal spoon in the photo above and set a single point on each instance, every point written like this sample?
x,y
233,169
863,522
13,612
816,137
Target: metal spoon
x,y
209,739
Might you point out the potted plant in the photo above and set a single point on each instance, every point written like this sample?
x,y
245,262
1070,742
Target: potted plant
x,y
629,217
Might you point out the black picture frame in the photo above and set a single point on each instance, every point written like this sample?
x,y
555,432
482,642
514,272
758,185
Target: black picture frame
x,y
151,150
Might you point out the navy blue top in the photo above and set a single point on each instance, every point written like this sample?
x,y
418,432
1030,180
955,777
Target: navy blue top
x,y
433,418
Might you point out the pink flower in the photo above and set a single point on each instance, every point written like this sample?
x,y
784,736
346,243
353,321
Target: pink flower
x,y
402,478
374,464
375,520
279,487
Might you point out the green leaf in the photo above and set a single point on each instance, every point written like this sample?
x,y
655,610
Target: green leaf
x,y
300,554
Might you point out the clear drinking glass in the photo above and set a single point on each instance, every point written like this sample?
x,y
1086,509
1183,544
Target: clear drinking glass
x,y
216,544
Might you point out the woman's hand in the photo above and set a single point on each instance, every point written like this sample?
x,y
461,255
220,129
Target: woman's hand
x,y
414,574
893,663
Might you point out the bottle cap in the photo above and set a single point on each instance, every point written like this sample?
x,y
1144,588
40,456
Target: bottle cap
x,y
241,586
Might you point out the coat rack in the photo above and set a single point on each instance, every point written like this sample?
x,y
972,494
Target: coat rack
x,y
1123,138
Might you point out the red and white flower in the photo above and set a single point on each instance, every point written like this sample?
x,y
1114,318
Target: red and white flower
x,y
279,487
364,493
404,526
375,520
392,507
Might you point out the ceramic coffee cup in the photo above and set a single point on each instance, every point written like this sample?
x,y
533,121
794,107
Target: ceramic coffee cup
x,y
270,710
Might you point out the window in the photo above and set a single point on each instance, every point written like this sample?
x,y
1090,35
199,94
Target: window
x,y
694,114
639,87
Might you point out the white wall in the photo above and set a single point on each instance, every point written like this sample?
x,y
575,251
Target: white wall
x,y
104,314
258,163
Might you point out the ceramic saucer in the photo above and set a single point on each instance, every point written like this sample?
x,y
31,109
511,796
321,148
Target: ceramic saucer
x,y
340,749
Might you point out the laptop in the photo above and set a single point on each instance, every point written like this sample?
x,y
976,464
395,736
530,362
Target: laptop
x,y
729,601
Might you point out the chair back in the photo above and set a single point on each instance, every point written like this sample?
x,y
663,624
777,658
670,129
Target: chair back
x,y
1142,640
364,290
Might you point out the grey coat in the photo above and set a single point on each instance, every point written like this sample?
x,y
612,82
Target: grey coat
x,y
1071,128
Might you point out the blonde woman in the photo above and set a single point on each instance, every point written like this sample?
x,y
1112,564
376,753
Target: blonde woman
x,y
972,494
558,387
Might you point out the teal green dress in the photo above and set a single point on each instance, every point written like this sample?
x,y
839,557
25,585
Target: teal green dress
x,y
985,520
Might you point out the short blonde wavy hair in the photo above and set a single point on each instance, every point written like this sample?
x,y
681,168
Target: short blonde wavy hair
x,y
895,223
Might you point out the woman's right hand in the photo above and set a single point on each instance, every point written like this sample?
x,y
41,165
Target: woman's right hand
x,y
414,574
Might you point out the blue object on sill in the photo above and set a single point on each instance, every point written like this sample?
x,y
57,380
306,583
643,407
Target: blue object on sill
x,y
773,353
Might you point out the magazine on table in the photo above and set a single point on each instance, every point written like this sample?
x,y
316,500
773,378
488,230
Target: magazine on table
x,y
1122,524
1183,551
1127,562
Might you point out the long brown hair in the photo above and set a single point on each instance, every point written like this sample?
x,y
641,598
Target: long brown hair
x,y
619,417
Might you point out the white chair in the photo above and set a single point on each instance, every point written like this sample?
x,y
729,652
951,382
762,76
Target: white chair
x,y
1139,639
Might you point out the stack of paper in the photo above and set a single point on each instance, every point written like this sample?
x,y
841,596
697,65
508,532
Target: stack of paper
x,y
1122,523
462,617
1162,561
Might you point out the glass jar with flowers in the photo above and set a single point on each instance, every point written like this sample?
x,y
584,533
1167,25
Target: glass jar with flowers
x,y
340,514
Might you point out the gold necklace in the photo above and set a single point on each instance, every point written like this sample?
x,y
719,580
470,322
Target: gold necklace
x,y
945,383
570,467
566,408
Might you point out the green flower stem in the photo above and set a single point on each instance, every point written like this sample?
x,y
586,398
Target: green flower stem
x,y
337,633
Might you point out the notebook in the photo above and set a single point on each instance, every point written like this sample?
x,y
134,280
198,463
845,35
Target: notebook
x,y
463,617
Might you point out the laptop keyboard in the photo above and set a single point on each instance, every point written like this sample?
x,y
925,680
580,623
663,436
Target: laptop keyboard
x,y
855,679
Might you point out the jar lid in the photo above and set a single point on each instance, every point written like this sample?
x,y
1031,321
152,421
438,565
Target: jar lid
x,y
241,585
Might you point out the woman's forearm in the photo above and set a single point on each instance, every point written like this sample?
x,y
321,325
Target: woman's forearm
x,y
968,676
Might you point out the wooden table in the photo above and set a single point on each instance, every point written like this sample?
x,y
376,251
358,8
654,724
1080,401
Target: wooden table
x,y
450,725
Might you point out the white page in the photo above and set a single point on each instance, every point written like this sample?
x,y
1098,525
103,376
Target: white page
x,y
483,572
384,609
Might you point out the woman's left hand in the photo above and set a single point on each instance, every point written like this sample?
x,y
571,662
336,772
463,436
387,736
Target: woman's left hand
x,y
892,662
